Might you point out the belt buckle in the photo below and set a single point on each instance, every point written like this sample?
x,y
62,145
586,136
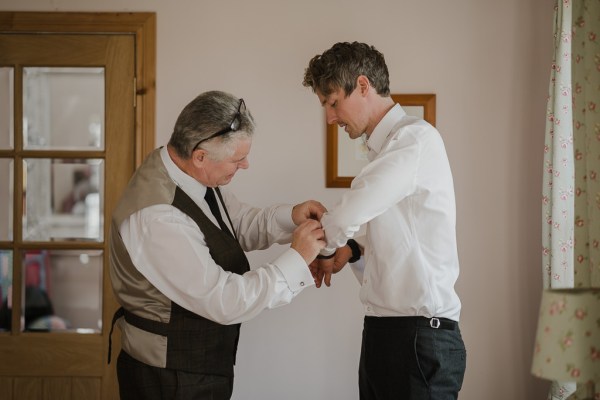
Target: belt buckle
x,y
434,323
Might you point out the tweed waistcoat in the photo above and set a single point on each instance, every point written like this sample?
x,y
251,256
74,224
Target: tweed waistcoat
x,y
156,330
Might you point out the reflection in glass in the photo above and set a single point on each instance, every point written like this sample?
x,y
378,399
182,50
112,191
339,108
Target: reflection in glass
x,y
6,107
63,199
6,198
6,278
62,290
63,108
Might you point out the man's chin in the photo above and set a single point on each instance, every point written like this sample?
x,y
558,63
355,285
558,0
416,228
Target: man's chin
x,y
226,181
353,135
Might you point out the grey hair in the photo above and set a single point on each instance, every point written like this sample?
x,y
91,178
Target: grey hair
x,y
207,114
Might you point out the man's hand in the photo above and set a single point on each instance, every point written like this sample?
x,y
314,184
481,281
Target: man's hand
x,y
310,209
308,239
322,269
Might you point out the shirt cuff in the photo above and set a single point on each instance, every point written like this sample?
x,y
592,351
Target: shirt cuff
x,y
294,270
327,251
283,216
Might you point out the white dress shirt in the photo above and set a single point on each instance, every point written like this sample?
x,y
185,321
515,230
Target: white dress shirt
x,y
168,248
405,196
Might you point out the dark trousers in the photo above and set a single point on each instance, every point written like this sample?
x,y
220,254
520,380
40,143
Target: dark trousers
x,y
138,381
402,360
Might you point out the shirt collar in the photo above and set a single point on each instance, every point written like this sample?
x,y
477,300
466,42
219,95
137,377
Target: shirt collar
x,y
384,127
189,185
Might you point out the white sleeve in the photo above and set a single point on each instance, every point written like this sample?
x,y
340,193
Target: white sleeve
x,y
382,183
259,228
169,249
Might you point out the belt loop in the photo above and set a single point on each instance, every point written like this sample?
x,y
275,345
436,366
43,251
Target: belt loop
x,y
434,323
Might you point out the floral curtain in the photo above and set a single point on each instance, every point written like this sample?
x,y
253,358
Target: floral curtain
x,y
586,124
567,349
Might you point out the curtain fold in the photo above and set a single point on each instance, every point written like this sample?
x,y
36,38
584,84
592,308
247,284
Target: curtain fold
x,y
567,346
586,134
559,169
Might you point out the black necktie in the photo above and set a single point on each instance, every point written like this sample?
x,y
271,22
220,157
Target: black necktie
x,y
214,208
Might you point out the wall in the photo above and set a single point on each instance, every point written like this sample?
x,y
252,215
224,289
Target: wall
x,y
487,61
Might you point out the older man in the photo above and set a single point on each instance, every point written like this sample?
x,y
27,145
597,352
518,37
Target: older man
x,y
177,258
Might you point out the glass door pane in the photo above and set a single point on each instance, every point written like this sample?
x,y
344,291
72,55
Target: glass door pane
x,y
63,108
6,107
6,279
63,290
6,198
63,199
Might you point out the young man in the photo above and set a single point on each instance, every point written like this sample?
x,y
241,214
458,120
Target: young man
x,y
412,346
177,258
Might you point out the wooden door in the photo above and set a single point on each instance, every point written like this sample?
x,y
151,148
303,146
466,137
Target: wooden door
x,y
68,361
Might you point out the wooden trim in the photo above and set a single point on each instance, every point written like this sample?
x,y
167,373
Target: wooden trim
x,y
333,180
142,25
34,361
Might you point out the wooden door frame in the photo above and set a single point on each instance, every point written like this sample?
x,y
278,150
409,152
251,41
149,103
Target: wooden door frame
x,y
141,25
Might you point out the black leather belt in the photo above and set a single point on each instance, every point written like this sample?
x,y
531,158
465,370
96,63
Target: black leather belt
x,y
156,327
410,322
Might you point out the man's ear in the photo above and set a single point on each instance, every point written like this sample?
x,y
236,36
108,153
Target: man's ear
x,y
363,84
198,157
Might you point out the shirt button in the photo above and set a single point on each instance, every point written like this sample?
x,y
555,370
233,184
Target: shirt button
x,y
301,283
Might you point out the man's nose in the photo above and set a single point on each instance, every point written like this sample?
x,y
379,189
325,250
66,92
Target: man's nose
x,y
330,115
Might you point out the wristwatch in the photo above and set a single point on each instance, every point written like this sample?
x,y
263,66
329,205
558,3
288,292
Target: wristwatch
x,y
356,254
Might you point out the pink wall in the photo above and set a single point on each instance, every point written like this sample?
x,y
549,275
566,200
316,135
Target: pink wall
x,y
487,62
